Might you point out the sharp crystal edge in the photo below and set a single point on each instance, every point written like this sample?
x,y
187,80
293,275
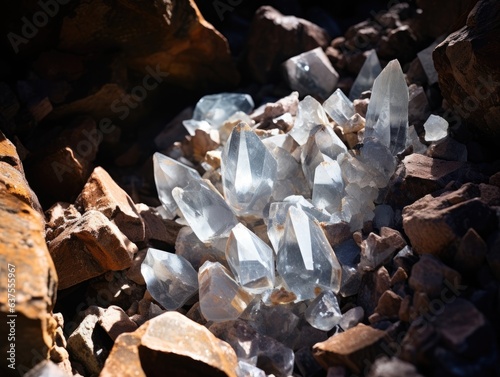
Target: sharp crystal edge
x,y
369,72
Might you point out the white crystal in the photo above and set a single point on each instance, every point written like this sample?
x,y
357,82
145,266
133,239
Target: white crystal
x,y
248,370
248,172
323,313
369,71
170,278
311,73
436,128
169,174
328,142
217,108
310,114
328,187
348,254
387,114
192,125
305,259
339,107
251,260
221,298
200,205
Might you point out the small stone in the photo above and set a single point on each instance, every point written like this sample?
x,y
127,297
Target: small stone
x,y
436,128
471,253
351,318
115,322
170,278
377,250
369,72
323,312
448,149
388,305
58,217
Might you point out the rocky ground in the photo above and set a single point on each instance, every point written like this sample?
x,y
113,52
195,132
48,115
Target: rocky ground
x,y
83,110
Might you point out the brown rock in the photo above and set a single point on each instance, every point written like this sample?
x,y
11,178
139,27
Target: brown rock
x,y
400,42
393,367
91,245
58,217
288,104
433,223
116,322
448,149
101,193
432,276
404,309
134,272
377,250
12,181
336,233
389,305
469,77
8,153
286,36
471,253
350,348
158,232
170,342
373,285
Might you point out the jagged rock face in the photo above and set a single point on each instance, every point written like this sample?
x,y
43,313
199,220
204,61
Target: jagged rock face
x,y
469,77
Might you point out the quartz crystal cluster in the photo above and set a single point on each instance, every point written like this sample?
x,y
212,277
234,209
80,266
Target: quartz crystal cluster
x,y
254,244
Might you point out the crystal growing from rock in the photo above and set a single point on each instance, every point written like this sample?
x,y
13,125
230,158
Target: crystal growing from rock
x,y
387,114
200,205
305,259
324,312
369,71
251,260
436,128
339,107
310,114
170,278
311,73
248,172
221,297
169,174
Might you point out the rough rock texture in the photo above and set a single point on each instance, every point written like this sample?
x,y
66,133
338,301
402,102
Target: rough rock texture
x,y
467,64
58,217
430,276
284,36
170,342
33,285
433,223
101,193
350,348
91,245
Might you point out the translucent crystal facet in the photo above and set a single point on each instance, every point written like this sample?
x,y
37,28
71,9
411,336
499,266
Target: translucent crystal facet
x,y
436,128
324,312
413,140
311,73
305,259
339,107
328,187
169,174
251,260
217,108
427,62
310,114
387,114
170,278
200,205
248,172
369,71
221,297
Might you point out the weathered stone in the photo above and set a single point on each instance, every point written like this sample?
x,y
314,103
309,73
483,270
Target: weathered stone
x,y
389,305
377,250
434,223
448,149
101,193
59,216
336,233
270,111
393,367
350,348
91,245
170,342
431,276
373,285
473,90
115,322
471,252
158,233
288,36
13,182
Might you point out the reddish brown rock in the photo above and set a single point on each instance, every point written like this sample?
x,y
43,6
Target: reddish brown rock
x,y
388,305
116,322
373,285
158,232
170,342
287,36
351,348
101,193
471,253
431,276
469,76
336,233
448,149
377,250
433,223
58,217
91,245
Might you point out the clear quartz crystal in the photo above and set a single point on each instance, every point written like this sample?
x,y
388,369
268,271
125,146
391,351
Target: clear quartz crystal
x,y
221,297
251,260
248,172
436,128
170,278
249,370
305,259
217,108
427,62
328,187
169,174
200,205
323,313
369,71
413,140
387,114
310,114
339,107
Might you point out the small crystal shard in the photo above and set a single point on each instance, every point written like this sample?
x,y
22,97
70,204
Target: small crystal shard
x,y
170,174
217,108
324,312
328,187
248,172
311,73
250,259
387,114
305,259
221,298
170,278
369,71
310,114
200,205
436,128
339,107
